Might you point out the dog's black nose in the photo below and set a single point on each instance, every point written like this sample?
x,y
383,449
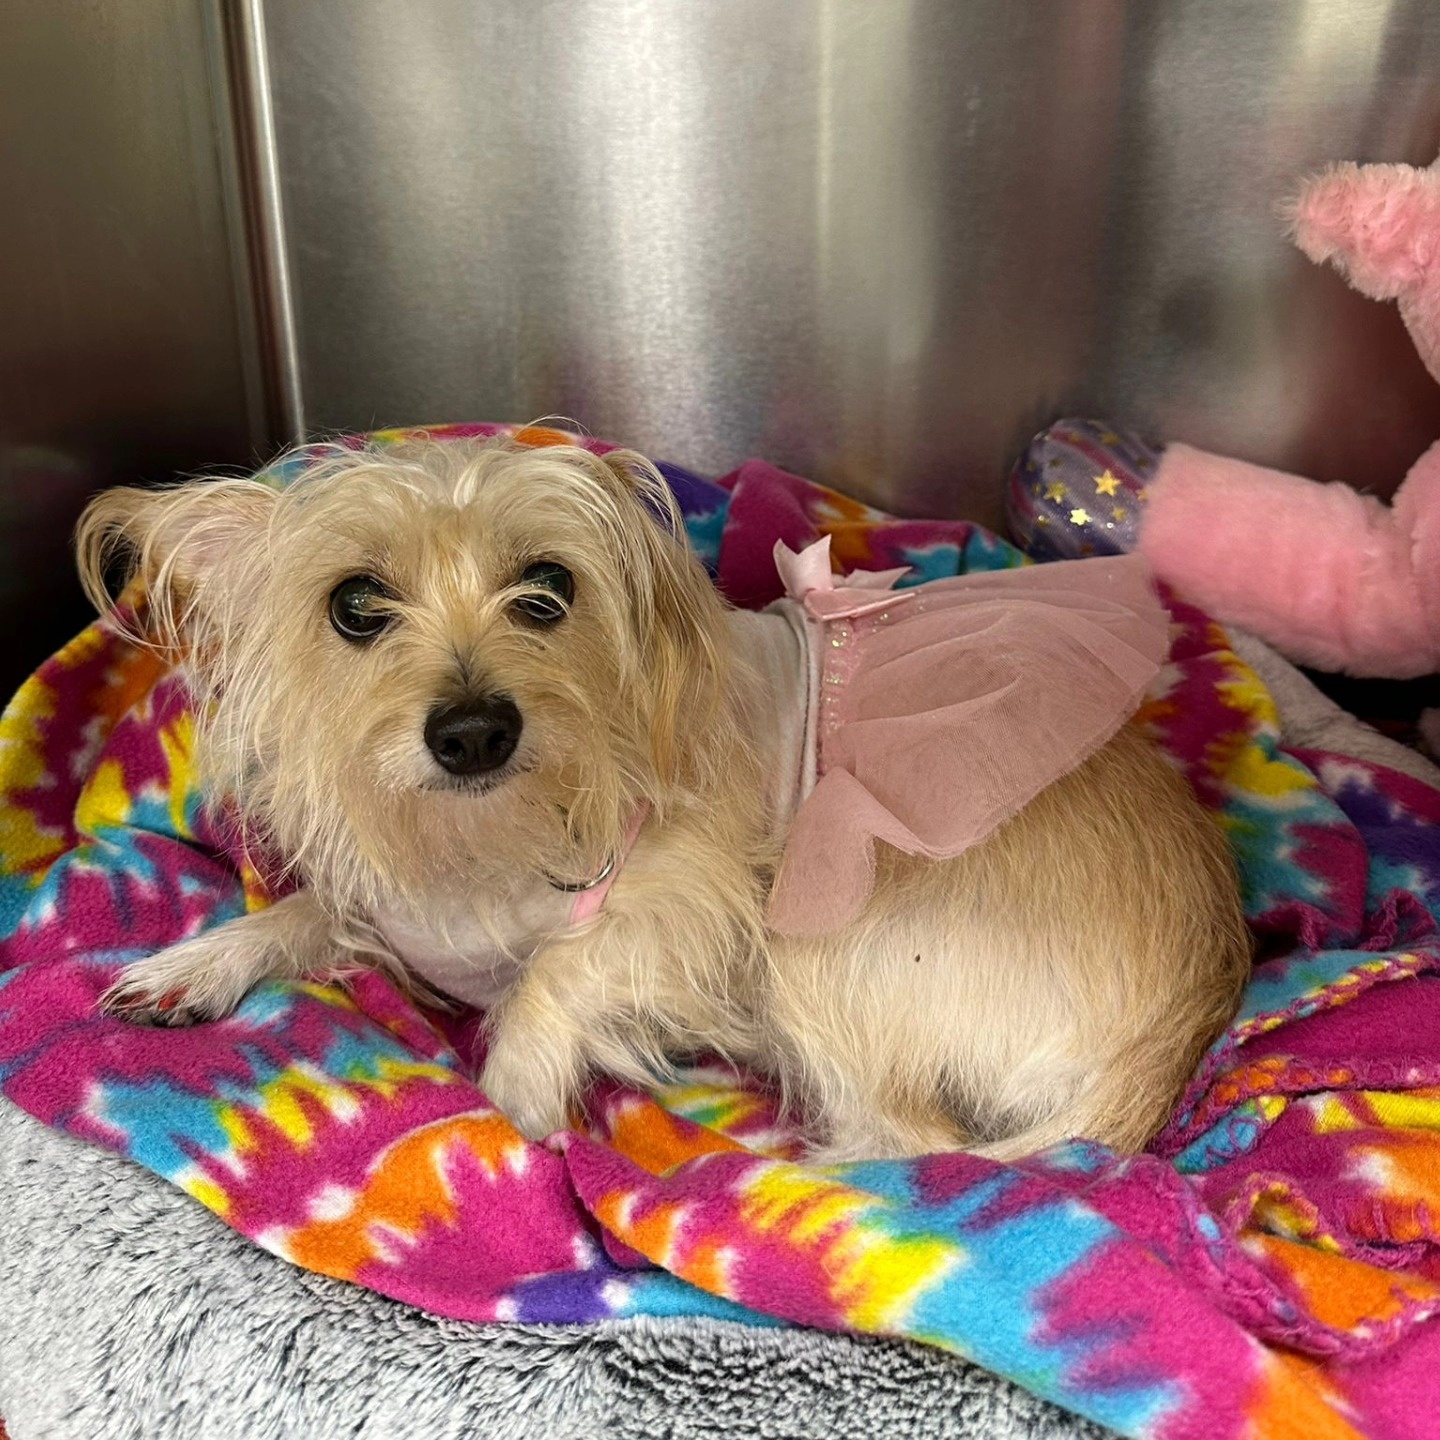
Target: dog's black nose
x,y
475,737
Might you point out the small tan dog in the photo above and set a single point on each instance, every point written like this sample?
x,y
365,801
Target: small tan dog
x,y
446,679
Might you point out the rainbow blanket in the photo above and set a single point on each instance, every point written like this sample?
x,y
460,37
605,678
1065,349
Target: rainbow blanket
x,y
1268,1269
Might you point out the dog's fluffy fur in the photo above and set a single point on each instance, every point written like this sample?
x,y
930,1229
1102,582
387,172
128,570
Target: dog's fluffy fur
x,y
1071,968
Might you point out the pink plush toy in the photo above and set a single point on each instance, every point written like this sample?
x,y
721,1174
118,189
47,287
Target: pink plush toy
x,y
1332,578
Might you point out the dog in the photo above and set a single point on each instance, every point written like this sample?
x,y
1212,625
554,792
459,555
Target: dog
x,y
508,737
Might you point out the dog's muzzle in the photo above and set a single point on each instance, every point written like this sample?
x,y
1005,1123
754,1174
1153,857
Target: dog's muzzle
x,y
475,737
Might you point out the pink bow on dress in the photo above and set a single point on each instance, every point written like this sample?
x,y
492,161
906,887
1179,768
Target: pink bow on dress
x,y
809,579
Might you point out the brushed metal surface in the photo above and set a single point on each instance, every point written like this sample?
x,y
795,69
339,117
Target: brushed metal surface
x,y
260,243
122,352
879,241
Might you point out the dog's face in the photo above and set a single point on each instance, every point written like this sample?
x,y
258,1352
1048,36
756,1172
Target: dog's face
x,y
433,655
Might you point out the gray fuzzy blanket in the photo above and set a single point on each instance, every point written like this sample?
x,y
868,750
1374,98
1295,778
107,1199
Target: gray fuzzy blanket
x,y
127,1311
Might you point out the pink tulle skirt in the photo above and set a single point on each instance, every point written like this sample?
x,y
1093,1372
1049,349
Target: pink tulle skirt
x,y
936,712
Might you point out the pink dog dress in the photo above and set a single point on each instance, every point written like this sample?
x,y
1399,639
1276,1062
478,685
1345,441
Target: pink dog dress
x,y
932,714
923,717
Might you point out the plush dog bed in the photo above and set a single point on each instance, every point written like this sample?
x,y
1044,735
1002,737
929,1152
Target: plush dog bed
x,y
132,1312
1265,1268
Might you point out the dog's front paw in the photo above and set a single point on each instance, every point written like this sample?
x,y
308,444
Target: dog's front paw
x,y
527,1095
187,984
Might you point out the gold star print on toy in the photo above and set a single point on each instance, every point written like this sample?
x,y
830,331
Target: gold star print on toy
x,y
1079,485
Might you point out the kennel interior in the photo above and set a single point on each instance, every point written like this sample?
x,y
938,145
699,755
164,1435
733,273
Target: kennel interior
x,y
879,243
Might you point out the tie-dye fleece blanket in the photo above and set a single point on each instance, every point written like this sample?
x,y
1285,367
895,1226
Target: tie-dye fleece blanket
x,y
1269,1269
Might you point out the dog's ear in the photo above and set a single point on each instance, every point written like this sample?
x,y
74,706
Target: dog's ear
x,y
196,549
682,630
1375,223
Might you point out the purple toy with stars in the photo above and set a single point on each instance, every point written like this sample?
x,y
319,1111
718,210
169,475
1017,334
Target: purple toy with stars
x,y
1079,490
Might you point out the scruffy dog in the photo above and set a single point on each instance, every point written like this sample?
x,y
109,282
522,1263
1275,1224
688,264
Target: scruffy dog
x,y
460,684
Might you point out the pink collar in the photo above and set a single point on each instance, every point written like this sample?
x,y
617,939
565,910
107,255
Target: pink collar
x,y
591,896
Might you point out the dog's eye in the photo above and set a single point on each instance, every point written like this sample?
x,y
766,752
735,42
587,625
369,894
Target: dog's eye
x,y
353,611
554,590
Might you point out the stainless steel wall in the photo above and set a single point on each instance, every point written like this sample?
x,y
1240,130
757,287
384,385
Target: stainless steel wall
x,y
124,344
879,241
